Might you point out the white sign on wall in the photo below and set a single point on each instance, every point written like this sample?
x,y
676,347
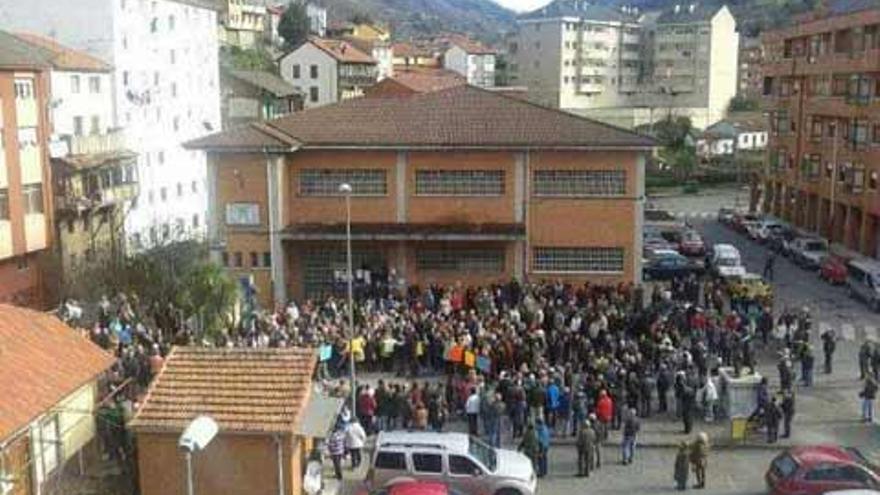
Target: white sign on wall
x,y
242,214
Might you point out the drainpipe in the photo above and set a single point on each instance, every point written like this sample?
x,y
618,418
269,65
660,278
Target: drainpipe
x,y
280,452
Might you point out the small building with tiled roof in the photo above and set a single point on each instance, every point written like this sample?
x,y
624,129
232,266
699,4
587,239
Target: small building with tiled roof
x,y
259,398
50,376
414,54
327,71
253,95
456,185
410,80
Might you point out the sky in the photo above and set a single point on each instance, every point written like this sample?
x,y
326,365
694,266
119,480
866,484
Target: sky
x,y
522,5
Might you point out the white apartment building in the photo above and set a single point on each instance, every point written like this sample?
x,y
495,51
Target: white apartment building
x,y
628,67
327,71
473,61
242,23
165,86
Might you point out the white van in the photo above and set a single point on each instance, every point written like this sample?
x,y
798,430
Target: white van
x,y
863,281
726,261
466,464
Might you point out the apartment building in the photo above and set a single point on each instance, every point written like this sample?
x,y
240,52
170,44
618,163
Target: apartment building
x,y
327,71
751,55
242,23
472,60
25,176
166,90
627,67
447,186
821,87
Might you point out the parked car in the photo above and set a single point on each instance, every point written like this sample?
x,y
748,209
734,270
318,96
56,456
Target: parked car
x,y
741,221
465,463
832,269
816,470
413,488
725,215
780,241
671,266
863,281
766,228
692,244
807,252
726,261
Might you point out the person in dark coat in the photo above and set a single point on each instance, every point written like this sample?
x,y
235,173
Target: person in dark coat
x,y
530,446
771,420
688,404
829,344
699,457
586,446
787,407
664,382
682,466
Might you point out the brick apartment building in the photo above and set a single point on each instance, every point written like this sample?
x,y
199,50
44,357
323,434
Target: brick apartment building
x,y
25,178
454,185
821,88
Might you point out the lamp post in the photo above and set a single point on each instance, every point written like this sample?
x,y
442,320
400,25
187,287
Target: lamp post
x,y
195,438
345,189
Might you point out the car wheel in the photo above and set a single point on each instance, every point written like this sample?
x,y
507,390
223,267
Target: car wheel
x,y
508,491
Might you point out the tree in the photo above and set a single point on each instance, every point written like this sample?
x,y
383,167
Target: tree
x,y
743,104
248,59
294,25
361,18
208,294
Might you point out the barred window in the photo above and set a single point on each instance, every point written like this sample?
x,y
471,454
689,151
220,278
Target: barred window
x,y
461,260
573,183
592,259
326,182
459,182
33,198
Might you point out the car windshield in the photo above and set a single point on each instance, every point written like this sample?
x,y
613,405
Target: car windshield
x,y
728,262
483,453
815,246
784,466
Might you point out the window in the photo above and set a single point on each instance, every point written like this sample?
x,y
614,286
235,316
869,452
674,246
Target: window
x,y
96,125
172,57
171,24
255,260
194,187
326,182
427,463
78,126
238,262
125,78
390,460
94,84
174,90
313,71
4,204
154,25
47,446
459,182
568,259
242,214
175,124
313,94
24,89
267,259
27,137
33,198
224,257
74,84
459,465
296,71
461,260
150,196
195,221
573,183
161,157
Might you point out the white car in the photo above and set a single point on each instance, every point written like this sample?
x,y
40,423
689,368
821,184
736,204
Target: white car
x,y
726,261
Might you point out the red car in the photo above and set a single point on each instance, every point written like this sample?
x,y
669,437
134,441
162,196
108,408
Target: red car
x,y
691,244
816,470
833,270
413,488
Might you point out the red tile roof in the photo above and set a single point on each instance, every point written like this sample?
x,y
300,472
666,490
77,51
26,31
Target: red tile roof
x,y
458,117
244,390
469,46
410,80
64,58
342,51
42,361
405,49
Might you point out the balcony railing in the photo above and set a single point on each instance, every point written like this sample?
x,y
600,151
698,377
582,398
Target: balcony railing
x,y
94,144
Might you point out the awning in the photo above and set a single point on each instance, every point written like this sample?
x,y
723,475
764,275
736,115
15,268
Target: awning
x,y
406,232
319,416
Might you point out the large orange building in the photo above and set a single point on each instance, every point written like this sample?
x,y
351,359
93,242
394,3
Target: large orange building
x,y
25,175
821,89
458,185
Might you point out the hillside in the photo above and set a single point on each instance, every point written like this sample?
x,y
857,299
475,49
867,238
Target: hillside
x,y
482,19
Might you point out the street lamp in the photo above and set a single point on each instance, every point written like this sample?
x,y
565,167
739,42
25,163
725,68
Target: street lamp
x,y
345,189
195,438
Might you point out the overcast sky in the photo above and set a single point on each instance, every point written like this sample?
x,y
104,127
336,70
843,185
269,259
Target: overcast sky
x,y
523,5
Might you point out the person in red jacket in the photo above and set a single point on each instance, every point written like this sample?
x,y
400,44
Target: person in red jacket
x,y
604,408
366,408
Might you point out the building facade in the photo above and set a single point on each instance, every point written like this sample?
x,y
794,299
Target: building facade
x,y
249,96
434,200
166,90
242,23
627,67
25,175
328,71
819,90
751,55
473,61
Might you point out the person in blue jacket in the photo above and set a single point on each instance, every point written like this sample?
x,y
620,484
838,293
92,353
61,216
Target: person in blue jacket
x,y
544,443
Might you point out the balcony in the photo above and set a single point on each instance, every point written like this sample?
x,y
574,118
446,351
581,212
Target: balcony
x,y
97,143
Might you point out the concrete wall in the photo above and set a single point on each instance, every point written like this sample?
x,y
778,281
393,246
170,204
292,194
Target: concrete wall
x,y
85,103
722,64
539,60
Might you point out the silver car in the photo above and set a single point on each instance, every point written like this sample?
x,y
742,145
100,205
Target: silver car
x,y
466,464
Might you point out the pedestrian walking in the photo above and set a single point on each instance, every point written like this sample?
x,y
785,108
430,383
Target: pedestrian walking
x,y
336,449
631,428
771,420
768,266
493,420
605,409
472,409
865,353
544,452
807,362
682,466
829,344
688,403
586,445
601,435
530,446
868,395
355,438
710,399
787,407
699,457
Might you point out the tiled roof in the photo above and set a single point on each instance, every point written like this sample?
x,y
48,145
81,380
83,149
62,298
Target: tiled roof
x,y
470,46
424,79
342,51
244,390
42,361
578,8
406,49
458,117
62,57
266,81
18,54
94,160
